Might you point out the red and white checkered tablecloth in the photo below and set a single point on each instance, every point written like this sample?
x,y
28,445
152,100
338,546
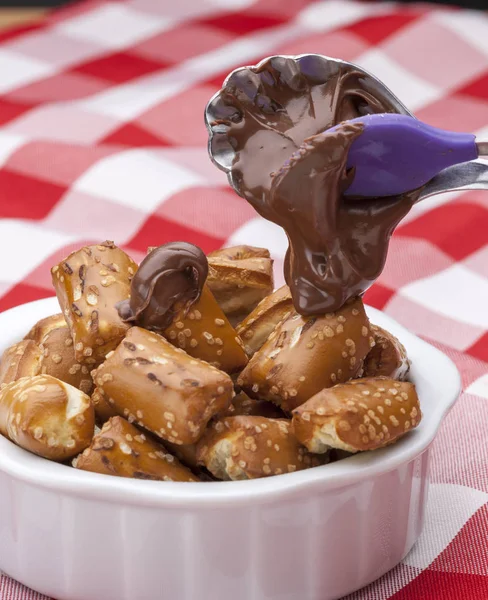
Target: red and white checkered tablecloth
x,y
102,136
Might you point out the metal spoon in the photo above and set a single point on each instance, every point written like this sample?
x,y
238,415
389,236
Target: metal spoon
x,y
460,177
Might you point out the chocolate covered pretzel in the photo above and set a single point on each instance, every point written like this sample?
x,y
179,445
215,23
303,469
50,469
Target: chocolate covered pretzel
x,y
169,296
47,417
364,414
306,354
89,283
161,388
122,450
239,278
249,447
54,340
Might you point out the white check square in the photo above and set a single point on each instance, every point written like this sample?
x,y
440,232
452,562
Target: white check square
x,y
17,70
448,509
412,91
137,178
35,243
114,26
456,292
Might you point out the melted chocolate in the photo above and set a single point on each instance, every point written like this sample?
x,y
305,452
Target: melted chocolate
x,y
293,172
171,274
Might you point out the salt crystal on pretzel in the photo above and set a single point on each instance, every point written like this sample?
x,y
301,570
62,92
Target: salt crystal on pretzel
x,y
161,388
249,447
306,354
47,417
89,283
364,414
53,337
122,450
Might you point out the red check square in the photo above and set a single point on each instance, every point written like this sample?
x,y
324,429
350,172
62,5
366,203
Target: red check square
x,y
120,67
442,227
378,28
158,230
244,22
26,197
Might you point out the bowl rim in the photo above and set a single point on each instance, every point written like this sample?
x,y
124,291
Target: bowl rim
x,y
428,365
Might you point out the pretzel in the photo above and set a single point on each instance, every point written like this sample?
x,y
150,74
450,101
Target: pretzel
x,y
241,252
89,283
163,389
388,357
305,354
103,409
260,323
20,360
240,278
120,449
47,417
364,414
242,405
249,447
54,339
204,332
187,454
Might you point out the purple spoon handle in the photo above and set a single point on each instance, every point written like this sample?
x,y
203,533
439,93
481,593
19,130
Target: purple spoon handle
x,y
397,153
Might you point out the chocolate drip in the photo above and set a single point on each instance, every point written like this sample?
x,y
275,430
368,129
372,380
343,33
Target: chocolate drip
x,y
171,274
293,172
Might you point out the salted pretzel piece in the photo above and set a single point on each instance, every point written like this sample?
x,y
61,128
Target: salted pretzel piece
x,y
89,283
306,354
255,329
53,337
249,447
239,278
161,388
22,359
122,450
363,414
204,332
387,358
47,417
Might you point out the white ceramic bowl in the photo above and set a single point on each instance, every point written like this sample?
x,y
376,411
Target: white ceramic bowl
x,y
313,535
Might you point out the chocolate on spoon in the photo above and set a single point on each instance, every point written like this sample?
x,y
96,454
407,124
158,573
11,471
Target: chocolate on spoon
x,y
269,130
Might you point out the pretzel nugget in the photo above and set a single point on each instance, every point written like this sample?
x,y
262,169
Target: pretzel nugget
x,y
242,405
47,417
387,358
169,296
89,283
260,323
187,454
205,333
242,447
53,337
305,354
241,252
120,449
103,409
364,414
240,278
163,389
20,360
